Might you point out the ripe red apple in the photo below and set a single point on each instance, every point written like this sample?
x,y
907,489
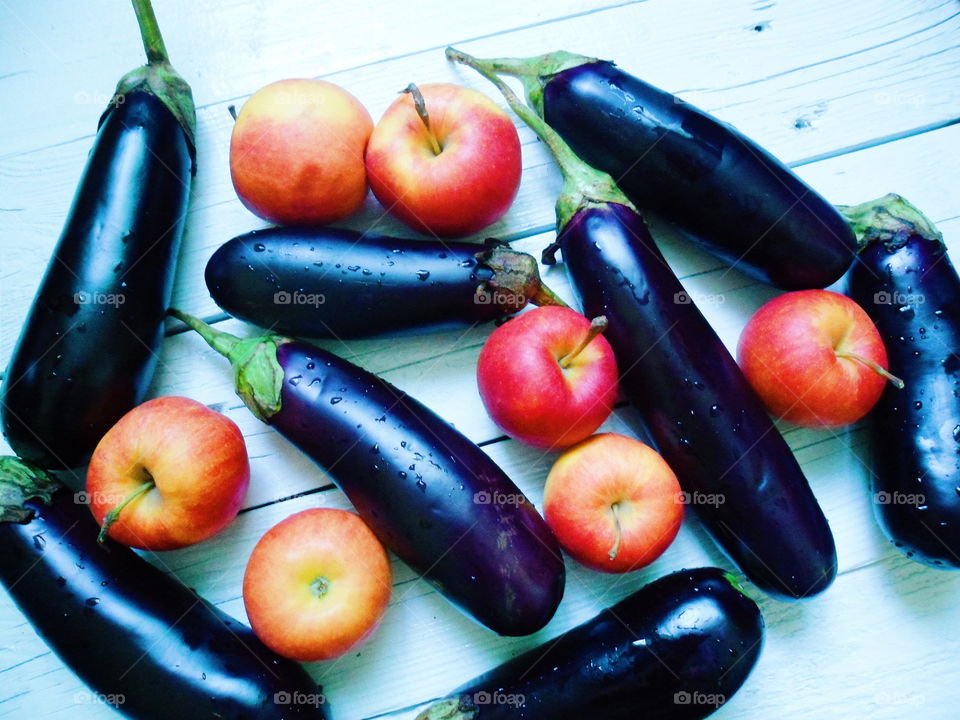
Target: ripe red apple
x,y
316,584
613,503
170,473
296,152
446,166
815,358
547,377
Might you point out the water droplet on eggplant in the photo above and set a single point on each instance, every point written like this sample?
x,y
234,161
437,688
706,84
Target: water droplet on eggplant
x,y
259,247
423,275
335,400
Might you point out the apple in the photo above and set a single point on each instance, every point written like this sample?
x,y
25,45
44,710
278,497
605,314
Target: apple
x,y
815,358
296,152
548,377
613,503
170,473
316,584
445,160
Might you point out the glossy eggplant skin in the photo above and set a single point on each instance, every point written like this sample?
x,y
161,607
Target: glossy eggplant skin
x,y
137,636
733,197
329,282
89,345
674,650
428,493
706,420
911,291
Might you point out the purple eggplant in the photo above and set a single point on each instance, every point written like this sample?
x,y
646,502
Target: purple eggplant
x,y
329,282
730,195
905,281
708,423
138,638
677,649
427,492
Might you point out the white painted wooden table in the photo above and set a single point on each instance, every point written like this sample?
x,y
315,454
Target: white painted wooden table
x,y
861,97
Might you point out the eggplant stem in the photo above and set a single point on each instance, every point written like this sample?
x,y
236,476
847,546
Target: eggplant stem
x,y
153,43
876,367
223,342
114,514
597,326
421,106
615,550
543,295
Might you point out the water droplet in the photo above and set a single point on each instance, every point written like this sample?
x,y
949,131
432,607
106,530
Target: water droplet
x,y
382,418
907,311
917,405
422,485
423,274
956,433
259,247
311,365
375,448
39,541
92,601
466,263
335,400
402,474
353,268
62,581
714,410
295,380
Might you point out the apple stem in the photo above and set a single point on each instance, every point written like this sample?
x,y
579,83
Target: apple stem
x,y
597,326
876,367
421,105
616,519
112,516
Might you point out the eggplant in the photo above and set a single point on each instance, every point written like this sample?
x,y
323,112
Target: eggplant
x,y
142,641
89,345
677,649
428,493
732,197
334,283
743,481
905,281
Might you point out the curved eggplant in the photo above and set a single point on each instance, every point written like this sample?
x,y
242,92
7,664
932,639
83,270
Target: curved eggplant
x,y
147,644
744,482
89,346
428,493
905,281
733,197
677,649
329,282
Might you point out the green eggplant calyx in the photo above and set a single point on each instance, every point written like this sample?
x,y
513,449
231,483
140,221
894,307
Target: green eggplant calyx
x,y
891,220
158,78
532,72
583,185
21,481
515,282
257,373
457,708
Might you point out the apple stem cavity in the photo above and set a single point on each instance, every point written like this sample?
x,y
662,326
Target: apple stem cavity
x,y
421,105
319,587
615,550
583,185
597,326
112,516
876,367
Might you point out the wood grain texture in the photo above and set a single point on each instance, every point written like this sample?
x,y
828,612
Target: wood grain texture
x,y
860,97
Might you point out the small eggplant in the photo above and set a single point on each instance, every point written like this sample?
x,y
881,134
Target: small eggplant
x,y
677,649
327,282
709,424
905,281
427,492
733,197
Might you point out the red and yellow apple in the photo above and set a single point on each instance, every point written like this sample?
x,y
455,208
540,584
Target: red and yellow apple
x,y
296,152
316,584
548,377
170,473
450,172
613,503
815,358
